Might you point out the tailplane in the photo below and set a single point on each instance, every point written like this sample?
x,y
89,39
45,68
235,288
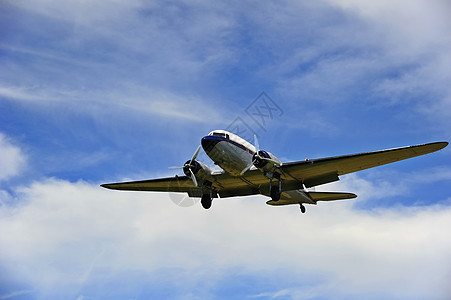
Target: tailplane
x,y
299,197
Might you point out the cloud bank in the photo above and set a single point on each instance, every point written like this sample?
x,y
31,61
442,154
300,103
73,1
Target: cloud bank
x,y
73,240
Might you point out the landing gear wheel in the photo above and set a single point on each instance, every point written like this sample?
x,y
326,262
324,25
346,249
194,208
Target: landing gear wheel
x,y
275,194
302,208
206,201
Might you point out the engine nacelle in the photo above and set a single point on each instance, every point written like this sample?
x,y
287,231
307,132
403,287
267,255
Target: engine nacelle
x,y
200,170
269,164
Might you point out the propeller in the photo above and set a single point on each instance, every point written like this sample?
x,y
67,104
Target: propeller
x,y
256,157
257,147
253,157
189,166
193,177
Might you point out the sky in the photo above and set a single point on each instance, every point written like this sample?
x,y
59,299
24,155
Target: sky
x,y
104,91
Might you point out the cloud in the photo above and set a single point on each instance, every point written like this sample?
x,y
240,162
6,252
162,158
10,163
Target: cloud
x,y
124,57
159,43
121,54
330,52
12,159
420,27
379,54
168,105
15,294
162,104
33,94
83,239
381,184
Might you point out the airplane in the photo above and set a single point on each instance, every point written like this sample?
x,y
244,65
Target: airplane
x,y
247,170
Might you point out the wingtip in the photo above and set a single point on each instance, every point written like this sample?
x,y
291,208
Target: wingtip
x,y
441,145
433,147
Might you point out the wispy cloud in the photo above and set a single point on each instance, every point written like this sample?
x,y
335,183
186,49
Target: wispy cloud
x,y
15,294
169,105
120,54
163,104
20,94
354,51
12,159
377,53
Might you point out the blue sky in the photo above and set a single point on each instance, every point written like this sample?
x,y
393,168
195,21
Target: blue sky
x,y
93,92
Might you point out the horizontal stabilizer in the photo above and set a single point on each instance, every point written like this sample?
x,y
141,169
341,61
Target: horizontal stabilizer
x,y
330,196
313,198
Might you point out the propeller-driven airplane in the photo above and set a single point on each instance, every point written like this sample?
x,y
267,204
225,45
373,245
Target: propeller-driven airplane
x,y
247,170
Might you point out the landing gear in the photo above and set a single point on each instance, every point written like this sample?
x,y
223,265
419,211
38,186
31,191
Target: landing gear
x,y
275,194
206,201
207,195
302,207
275,188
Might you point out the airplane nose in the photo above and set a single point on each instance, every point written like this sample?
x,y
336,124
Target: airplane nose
x,y
208,142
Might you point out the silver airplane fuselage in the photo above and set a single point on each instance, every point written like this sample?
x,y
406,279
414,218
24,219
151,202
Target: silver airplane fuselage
x,y
229,151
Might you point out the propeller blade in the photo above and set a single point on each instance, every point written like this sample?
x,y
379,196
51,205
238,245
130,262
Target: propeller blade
x,y
195,155
246,169
176,167
193,177
257,146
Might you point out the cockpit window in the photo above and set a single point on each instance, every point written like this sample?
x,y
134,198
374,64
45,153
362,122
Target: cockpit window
x,y
220,134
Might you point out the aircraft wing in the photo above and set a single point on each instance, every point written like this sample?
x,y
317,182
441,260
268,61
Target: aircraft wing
x,y
178,184
295,175
226,185
319,171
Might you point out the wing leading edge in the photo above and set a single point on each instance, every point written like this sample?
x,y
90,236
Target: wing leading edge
x,y
178,184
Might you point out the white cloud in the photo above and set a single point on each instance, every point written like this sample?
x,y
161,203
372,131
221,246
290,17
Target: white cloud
x,y
410,27
167,40
169,105
12,159
379,184
394,51
23,94
75,234
142,56
381,53
138,100
15,294
412,32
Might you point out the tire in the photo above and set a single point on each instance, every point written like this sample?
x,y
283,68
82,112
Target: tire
x,y
275,195
206,201
302,208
